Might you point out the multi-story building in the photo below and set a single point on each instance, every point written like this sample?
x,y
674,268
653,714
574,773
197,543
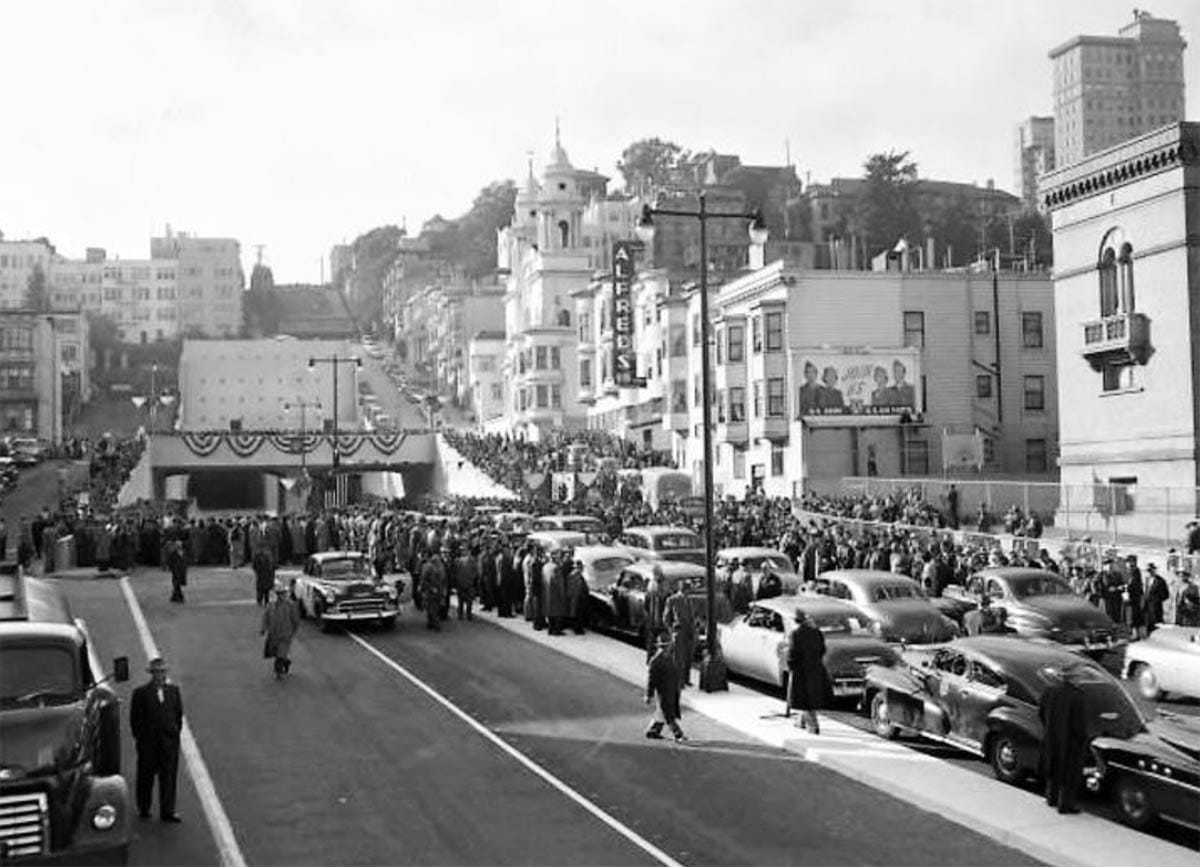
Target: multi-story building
x,y
485,361
408,272
75,284
19,260
542,260
43,377
1034,156
209,281
140,297
1126,225
1108,89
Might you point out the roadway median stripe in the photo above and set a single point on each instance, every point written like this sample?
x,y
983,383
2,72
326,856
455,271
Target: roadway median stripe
x,y
229,852
628,833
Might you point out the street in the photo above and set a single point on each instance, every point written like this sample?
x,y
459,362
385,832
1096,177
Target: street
x,y
352,760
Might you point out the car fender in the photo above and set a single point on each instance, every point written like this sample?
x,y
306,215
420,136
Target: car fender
x,y
1019,720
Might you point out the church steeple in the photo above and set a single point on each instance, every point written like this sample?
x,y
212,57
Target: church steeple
x,y
558,156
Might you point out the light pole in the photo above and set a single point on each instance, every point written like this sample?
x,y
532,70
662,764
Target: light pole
x,y
303,406
154,399
713,676
334,361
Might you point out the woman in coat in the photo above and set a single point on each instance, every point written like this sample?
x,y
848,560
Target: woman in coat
x,y
808,682
280,621
555,588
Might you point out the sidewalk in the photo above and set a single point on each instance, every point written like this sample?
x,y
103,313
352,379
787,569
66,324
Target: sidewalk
x,y
1009,815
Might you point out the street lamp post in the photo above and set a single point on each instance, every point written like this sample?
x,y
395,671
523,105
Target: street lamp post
x,y
334,361
154,399
713,676
303,406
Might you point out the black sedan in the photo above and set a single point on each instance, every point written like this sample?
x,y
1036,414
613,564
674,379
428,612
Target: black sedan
x,y
625,606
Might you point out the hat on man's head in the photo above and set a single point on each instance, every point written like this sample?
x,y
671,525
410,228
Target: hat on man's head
x,y
157,664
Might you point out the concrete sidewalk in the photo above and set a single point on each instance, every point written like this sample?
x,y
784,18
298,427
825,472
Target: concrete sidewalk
x,y
1012,816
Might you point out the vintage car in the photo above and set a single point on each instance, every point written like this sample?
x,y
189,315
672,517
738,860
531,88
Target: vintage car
x,y
760,561
662,542
897,607
1167,661
559,540
339,587
513,523
602,564
1155,774
980,695
755,644
622,607
578,523
1041,604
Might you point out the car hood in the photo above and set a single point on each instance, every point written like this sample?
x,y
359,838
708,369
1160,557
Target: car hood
x,y
349,588
41,740
1066,611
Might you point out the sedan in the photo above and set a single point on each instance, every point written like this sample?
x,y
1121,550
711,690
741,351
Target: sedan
x,y
980,695
759,561
625,606
756,643
898,608
1167,661
661,542
602,564
339,587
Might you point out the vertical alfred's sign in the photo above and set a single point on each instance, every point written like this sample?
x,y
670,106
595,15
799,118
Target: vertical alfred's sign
x,y
624,356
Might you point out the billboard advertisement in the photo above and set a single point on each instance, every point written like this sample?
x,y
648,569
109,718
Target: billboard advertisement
x,y
858,382
624,351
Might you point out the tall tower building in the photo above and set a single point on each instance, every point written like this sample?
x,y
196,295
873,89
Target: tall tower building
x,y
1109,89
1034,156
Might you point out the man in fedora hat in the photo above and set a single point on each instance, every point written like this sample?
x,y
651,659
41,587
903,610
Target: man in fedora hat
x,y
156,717
1155,598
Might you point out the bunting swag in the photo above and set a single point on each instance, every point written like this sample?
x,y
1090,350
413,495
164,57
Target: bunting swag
x,y
204,444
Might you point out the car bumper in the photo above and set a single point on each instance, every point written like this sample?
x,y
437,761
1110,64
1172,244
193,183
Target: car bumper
x,y
848,686
349,616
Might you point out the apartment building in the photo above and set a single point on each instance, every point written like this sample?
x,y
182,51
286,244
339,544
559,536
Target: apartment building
x,y
209,281
43,372
1034,156
1108,89
19,260
485,361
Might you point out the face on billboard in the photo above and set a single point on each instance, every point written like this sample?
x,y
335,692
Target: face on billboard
x,y
866,383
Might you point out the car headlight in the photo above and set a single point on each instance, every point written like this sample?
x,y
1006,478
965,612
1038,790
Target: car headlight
x,y
329,596
104,817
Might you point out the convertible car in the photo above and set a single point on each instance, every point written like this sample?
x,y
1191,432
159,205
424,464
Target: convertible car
x,y
980,695
1167,661
339,587
897,607
755,644
1041,604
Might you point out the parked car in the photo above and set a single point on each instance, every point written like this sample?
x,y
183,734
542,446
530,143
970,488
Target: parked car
x,y
601,565
579,523
514,523
760,561
623,607
756,643
1152,775
897,606
559,540
1167,661
1041,604
340,587
980,695
662,542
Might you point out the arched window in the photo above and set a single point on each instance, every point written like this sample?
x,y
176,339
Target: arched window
x,y
564,233
1125,272
1108,282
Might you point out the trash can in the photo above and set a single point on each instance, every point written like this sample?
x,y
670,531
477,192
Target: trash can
x,y
64,554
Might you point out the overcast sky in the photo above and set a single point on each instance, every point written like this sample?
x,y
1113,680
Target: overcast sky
x,y
296,124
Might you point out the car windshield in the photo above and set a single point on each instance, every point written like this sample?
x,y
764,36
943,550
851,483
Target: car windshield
x,y
610,564
38,675
883,592
345,568
834,622
676,541
768,561
583,525
1025,586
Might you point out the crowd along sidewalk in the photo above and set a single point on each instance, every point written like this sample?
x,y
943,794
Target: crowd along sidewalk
x,y
1007,814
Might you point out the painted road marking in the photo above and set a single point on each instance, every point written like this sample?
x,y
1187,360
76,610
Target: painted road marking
x,y
628,833
227,847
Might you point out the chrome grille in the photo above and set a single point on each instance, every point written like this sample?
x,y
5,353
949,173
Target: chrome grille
x,y
24,824
360,605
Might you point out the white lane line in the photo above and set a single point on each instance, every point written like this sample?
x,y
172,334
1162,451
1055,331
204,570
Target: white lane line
x,y
218,822
611,821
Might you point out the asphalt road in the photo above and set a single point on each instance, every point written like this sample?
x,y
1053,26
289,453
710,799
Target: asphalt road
x,y
351,761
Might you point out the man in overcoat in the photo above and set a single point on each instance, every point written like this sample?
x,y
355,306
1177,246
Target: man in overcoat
x,y
663,683
680,622
808,681
280,621
156,718
1063,712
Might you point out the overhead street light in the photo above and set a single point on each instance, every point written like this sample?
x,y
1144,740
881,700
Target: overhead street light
x,y
303,406
713,675
335,361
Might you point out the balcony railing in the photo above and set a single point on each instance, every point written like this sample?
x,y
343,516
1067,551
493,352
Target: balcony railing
x,y
1122,337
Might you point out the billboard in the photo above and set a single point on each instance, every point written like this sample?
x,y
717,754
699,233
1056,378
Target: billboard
x,y
858,382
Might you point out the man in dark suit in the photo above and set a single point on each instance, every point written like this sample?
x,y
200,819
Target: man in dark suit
x,y
1063,712
156,717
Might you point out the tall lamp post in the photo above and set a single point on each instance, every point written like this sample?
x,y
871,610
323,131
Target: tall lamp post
x,y
713,676
303,406
334,361
154,399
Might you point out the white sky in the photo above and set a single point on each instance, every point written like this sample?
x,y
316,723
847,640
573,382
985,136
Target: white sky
x,y
297,123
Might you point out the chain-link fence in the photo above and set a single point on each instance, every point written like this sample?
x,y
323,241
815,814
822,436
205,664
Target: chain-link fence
x,y
1111,514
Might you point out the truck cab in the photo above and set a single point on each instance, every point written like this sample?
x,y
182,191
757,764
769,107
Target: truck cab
x,y
62,796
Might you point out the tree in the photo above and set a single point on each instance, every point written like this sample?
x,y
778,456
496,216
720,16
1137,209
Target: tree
x,y
955,225
476,241
650,163
37,295
886,211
